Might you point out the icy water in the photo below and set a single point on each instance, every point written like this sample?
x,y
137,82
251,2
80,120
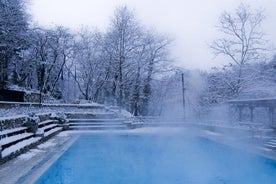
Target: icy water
x,y
129,159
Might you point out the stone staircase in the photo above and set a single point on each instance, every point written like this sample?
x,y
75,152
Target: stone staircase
x,y
48,127
271,144
14,141
95,121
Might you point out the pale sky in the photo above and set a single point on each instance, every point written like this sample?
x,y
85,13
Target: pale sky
x,y
191,23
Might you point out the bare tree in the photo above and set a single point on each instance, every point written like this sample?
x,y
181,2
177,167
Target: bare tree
x,y
243,41
13,38
45,59
153,57
135,55
123,39
89,63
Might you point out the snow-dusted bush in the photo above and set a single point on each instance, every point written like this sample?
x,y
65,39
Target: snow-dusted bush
x,y
61,117
31,121
32,117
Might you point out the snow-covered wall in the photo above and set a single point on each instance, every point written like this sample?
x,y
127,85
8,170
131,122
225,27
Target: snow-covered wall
x,y
12,122
32,97
19,121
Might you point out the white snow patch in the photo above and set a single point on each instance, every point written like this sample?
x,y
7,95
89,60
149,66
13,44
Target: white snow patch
x,y
30,154
47,144
211,132
63,134
89,103
126,113
18,88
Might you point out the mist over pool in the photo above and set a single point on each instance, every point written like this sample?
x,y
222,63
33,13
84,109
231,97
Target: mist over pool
x,y
158,159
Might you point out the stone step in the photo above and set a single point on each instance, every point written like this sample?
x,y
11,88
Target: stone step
x,y
15,138
45,128
98,127
95,123
270,145
12,131
94,120
43,123
20,145
91,116
54,130
272,141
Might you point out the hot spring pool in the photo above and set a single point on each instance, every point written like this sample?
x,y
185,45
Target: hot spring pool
x,y
150,159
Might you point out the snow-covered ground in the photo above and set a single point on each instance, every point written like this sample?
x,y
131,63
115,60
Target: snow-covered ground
x,y
19,111
30,154
40,149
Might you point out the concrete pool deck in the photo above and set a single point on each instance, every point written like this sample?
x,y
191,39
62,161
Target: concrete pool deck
x,y
14,170
27,167
247,143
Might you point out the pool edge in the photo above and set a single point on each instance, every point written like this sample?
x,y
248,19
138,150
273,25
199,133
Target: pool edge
x,y
32,176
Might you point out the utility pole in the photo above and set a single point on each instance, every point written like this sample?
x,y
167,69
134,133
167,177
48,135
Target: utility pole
x,y
74,84
42,75
183,93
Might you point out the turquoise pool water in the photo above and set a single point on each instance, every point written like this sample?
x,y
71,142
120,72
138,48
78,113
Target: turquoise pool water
x,y
147,159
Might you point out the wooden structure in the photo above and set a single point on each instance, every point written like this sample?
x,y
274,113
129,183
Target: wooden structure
x,y
269,104
11,95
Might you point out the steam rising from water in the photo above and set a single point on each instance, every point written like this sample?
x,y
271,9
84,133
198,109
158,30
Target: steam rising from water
x,y
175,158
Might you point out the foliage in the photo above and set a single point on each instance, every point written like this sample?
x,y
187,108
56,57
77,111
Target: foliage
x,y
118,66
242,43
128,65
13,39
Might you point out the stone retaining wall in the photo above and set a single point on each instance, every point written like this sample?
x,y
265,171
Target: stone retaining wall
x,y
12,122
32,97
9,105
19,121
